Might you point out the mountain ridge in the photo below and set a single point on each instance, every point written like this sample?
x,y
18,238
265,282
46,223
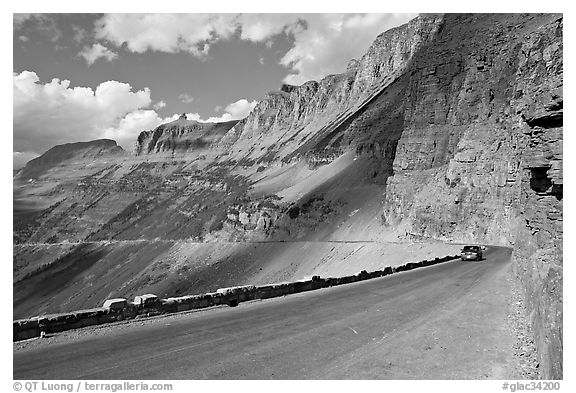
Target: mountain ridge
x,y
67,151
181,134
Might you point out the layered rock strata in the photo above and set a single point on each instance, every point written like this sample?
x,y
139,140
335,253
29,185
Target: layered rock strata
x,y
480,156
181,135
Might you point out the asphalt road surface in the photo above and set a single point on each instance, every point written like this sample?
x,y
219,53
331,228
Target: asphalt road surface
x,y
443,321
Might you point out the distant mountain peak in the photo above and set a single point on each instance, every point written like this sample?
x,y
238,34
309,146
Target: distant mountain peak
x,y
67,151
182,135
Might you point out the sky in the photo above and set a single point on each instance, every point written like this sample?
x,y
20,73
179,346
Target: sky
x,y
80,77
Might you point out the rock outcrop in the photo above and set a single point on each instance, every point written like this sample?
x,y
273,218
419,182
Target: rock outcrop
x,y
181,135
480,156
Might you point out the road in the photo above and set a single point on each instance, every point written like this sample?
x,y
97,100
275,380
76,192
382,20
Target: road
x,y
443,321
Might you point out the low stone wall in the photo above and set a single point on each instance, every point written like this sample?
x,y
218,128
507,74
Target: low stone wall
x,y
37,326
28,328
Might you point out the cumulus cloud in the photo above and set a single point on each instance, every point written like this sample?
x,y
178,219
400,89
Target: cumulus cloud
x,y
186,98
43,23
234,111
193,33
130,126
262,27
170,33
241,108
47,114
323,43
95,52
159,105
331,40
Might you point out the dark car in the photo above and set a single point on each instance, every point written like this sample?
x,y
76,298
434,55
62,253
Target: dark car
x,y
473,253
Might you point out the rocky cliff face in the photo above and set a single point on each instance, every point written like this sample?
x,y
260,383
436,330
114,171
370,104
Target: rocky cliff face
x,y
539,242
289,122
181,135
480,156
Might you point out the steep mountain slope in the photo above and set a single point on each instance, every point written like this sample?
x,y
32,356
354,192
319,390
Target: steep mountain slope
x,y
448,128
34,199
69,151
291,122
480,157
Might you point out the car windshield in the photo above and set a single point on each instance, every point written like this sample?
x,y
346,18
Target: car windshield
x,y
470,248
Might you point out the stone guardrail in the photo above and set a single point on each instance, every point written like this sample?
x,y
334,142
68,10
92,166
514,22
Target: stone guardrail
x,y
149,305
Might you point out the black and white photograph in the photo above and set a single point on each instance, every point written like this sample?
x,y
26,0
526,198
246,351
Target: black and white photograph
x,y
286,196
